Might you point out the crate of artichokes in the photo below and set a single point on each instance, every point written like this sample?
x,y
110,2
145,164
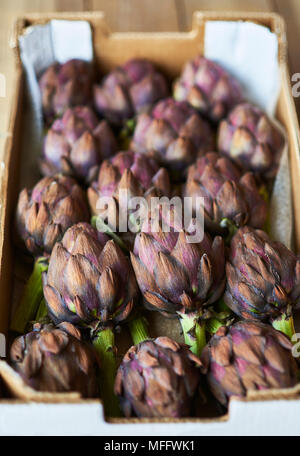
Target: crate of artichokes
x,y
150,225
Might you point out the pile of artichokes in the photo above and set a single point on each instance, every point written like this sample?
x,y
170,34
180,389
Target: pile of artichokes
x,y
234,291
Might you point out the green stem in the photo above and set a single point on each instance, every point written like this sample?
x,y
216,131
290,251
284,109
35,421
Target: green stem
x,y
100,225
213,324
193,331
139,329
263,191
231,228
220,306
104,344
42,311
31,298
221,316
126,133
285,324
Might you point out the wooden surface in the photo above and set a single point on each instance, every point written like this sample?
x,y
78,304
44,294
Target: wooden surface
x,y
137,15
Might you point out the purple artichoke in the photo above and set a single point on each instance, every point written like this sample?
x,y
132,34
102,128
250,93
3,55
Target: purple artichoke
x,y
250,138
89,280
248,356
173,133
129,90
54,359
228,195
131,172
177,276
48,210
158,378
208,88
64,86
77,143
263,277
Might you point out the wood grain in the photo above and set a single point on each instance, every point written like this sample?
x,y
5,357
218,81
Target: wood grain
x,y
9,11
6,70
185,8
290,10
138,15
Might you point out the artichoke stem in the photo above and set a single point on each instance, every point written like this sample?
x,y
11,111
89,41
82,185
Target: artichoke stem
x,y
126,134
231,228
221,316
212,325
31,298
104,344
285,324
42,311
220,306
139,330
193,331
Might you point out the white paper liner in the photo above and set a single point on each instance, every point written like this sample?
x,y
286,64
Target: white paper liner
x,y
42,45
250,52
281,209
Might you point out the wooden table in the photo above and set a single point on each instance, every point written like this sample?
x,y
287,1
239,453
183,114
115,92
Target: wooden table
x,y
137,15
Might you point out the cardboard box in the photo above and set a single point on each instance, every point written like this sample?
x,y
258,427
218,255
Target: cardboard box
x,y
270,412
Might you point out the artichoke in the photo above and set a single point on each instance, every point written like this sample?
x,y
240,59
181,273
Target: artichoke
x,y
263,279
248,356
129,172
76,144
48,210
54,359
64,86
208,87
252,140
179,277
158,378
129,90
229,196
90,282
43,215
173,133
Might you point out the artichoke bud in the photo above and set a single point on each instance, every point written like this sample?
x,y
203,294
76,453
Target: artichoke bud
x,y
174,134
76,144
252,140
89,280
121,180
158,378
64,86
248,356
262,277
128,90
55,359
48,210
230,199
208,87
